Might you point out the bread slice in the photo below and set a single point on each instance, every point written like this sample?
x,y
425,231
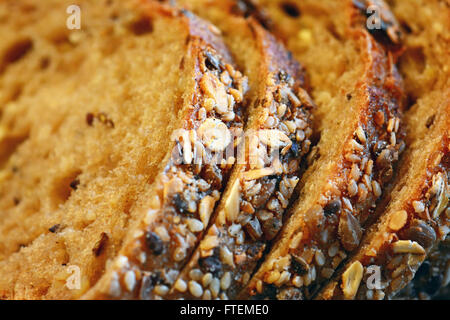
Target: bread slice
x,y
277,137
432,279
418,215
88,166
359,96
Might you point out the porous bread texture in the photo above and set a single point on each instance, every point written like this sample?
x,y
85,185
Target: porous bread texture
x,y
425,66
425,61
337,54
257,219
86,117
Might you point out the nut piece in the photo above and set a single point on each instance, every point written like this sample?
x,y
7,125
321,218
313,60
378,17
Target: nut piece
x,y
351,279
398,220
232,202
258,173
214,134
205,209
274,138
214,89
407,246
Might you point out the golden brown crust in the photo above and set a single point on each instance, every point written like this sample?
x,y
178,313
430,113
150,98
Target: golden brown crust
x,y
317,238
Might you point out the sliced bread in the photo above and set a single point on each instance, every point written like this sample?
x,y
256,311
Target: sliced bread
x,y
277,137
359,98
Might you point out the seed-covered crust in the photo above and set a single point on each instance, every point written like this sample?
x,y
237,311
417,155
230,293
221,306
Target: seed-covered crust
x,y
277,137
184,194
416,219
328,220
409,230
396,247
429,47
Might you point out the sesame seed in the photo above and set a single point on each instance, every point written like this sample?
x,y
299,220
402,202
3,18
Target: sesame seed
x,y
196,274
355,172
259,286
347,203
234,229
130,280
272,276
313,273
356,146
352,188
369,167
376,188
161,290
180,285
225,282
226,256
179,254
195,225
352,157
393,139
297,281
114,288
367,181
390,126
419,207
307,279
300,135
206,280
333,250
162,233
214,286
397,124
362,192
361,135
320,258
195,289
245,278
206,295
284,277
281,110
